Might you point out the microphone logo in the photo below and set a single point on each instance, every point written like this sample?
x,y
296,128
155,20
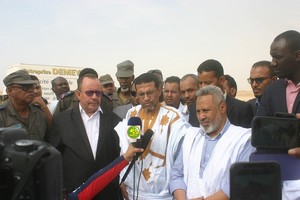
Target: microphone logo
x,y
133,132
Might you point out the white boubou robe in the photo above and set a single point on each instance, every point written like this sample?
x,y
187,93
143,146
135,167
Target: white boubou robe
x,y
155,167
216,172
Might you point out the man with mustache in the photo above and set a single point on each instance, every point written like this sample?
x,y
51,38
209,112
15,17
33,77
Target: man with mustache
x,y
201,170
150,175
125,77
18,111
86,138
261,75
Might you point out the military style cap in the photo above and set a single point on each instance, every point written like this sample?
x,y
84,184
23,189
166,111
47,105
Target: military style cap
x,y
19,77
125,69
106,79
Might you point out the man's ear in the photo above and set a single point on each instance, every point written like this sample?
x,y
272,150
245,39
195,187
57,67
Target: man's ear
x,y
297,54
222,80
9,91
223,107
78,94
233,92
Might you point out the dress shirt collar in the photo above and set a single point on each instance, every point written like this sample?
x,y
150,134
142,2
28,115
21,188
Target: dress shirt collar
x,y
83,111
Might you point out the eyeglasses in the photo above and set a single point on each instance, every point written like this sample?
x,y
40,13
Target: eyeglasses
x,y
133,93
91,93
257,80
148,93
25,87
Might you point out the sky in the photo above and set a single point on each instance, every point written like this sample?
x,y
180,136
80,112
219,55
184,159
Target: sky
x,y
174,36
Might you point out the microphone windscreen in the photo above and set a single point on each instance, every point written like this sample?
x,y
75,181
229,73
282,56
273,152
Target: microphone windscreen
x,y
134,129
134,121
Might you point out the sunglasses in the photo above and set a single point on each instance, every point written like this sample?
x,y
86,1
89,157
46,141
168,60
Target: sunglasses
x,y
133,93
257,80
25,87
91,93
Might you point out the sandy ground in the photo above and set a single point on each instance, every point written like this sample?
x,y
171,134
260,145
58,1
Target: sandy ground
x,y
244,95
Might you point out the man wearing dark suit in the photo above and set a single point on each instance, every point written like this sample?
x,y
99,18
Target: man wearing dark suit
x,y
86,138
261,75
189,85
283,95
239,113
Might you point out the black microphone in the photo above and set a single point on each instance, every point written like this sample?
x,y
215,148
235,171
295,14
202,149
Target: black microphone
x,y
145,139
134,131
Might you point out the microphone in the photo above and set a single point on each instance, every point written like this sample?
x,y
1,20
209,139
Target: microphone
x,y
134,131
144,143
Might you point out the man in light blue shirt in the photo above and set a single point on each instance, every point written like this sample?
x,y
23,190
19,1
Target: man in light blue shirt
x,y
202,167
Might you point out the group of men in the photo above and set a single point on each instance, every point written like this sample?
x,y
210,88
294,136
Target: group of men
x,y
199,130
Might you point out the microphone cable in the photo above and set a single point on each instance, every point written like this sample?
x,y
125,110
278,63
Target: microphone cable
x,y
137,192
138,183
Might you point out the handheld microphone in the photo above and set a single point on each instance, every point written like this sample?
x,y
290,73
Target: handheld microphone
x,y
134,131
144,143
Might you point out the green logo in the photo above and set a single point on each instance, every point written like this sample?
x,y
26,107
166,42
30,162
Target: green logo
x,y
133,132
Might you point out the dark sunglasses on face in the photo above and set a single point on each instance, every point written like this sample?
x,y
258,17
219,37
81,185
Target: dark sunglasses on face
x,y
257,80
133,93
90,93
25,87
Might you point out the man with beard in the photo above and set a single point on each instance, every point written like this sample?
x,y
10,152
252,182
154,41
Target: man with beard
x,y
283,95
18,111
189,85
201,170
154,165
211,72
125,77
108,85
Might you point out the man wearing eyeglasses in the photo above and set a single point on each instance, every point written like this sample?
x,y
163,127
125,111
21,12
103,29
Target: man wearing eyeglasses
x,y
69,100
18,112
149,177
86,138
261,75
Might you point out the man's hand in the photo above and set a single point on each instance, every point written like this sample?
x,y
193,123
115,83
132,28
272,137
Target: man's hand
x,y
131,151
295,152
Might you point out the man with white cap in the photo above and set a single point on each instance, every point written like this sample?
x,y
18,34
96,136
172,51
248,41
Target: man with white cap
x,y
18,111
125,77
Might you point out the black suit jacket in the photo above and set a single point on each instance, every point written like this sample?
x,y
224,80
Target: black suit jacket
x,y
254,107
193,120
69,136
274,100
239,112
